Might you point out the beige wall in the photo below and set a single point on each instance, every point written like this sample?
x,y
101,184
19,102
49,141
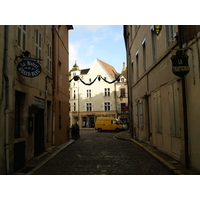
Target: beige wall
x,y
158,92
193,96
150,91
61,84
2,105
97,91
37,87
52,107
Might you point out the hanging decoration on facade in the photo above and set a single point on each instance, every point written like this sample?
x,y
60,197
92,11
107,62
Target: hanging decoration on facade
x,y
99,77
180,64
29,68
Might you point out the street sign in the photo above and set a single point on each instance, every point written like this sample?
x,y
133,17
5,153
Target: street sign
x,y
180,64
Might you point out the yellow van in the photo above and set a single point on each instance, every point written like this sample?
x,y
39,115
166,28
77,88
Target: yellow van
x,y
108,123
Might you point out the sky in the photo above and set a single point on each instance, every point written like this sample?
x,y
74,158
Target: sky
x,y
89,42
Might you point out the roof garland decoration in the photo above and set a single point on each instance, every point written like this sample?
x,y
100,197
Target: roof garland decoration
x,y
99,77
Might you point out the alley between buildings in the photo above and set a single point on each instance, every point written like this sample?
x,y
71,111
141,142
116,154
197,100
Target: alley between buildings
x,y
100,153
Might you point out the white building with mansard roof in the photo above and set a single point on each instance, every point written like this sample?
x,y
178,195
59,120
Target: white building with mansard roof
x,y
90,98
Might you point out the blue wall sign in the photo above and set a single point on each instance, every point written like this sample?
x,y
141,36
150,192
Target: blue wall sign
x,y
29,68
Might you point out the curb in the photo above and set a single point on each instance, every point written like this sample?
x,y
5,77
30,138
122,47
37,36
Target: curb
x,y
164,162
60,148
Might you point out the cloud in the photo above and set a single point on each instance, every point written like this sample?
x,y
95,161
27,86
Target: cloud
x,y
92,28
89,42
90,50
74,48
73,53
118,37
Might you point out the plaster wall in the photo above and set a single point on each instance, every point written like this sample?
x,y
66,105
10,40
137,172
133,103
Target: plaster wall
x,y
193,96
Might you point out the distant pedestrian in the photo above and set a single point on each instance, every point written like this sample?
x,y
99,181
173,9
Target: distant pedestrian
x,y
75,131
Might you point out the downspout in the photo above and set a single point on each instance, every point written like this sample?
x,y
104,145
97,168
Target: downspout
x,y
180,29
54,80
116,99
6,111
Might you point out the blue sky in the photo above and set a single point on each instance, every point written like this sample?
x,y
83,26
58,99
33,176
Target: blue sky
x,y
88,42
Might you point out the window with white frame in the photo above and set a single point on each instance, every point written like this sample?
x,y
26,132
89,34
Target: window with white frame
x,y
49,58
144,54
106,92
122,92
137,64
38,44
169,30
132,71
88,107
107,106
74,106
88,93
21,36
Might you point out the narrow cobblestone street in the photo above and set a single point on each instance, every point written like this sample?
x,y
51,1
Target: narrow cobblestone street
x,y
102,154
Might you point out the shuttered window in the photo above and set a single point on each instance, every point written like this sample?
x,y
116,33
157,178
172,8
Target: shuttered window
x,y
174,110
21,36
158,114
49,58
140,114
38,44
154,46
169,29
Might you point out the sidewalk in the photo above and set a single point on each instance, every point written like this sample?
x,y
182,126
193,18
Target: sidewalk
x,y
39,161
173,165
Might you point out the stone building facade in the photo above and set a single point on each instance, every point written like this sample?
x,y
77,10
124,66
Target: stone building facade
x,y
87,102
27,93
161,104
60,61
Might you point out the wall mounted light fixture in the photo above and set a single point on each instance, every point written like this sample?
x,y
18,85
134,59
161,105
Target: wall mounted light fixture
x,y
157,29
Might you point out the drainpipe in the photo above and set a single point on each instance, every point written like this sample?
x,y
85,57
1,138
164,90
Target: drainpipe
x,y
184,104
54,79
6,111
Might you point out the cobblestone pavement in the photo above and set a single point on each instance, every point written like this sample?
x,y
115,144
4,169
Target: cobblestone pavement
x,y
101,153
